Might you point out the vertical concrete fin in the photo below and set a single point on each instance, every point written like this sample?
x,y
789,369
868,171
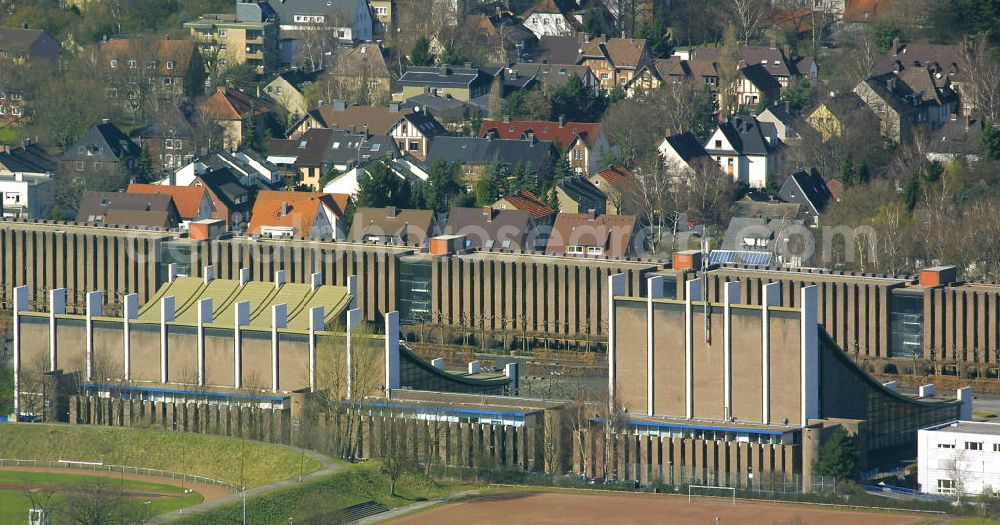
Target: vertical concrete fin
x,y
204,317
654,290
167,305
279,320
57,306
20,305
241,318
245,276
315,280
512,371
771,297
208,273
731,296
965,396
353,322
279,278
616,287
95,308
810,354
130,311
391,351
316,324
692,293
171,272
352,289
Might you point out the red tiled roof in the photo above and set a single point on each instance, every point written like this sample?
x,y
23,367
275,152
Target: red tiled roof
x,y
233,104
187,198
302,208
613,233
543,130
524,200
172,56
619,178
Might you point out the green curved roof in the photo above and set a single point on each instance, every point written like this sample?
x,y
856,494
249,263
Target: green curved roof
x,y
225,294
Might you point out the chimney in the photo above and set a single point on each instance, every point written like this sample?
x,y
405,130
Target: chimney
x,y
506,119
562,121
968,121
320,103
394,107
938,276
488,213
895,46
687,260
531,137
591,215
390,212
285,209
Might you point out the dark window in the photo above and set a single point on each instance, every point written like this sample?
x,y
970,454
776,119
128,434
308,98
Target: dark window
x,y
906,324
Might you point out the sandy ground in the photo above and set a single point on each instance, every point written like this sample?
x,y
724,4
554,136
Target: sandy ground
x,y
208,492
562,508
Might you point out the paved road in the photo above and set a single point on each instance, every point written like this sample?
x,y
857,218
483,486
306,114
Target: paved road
x,y
328,467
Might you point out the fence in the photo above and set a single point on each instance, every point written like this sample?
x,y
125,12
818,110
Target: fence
x,y
116,469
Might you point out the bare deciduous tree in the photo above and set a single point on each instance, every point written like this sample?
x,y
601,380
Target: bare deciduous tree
x,y
750,17
982,71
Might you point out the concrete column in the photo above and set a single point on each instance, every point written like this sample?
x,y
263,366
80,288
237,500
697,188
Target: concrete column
x,y
242,318
772,297
353,322
279,320
316,324
57,306
208,273
616,287
927,390
166,316
892,385
20,305
95,302
693,293
654,287
171,272
279,278
315,281
438,363
391,351
731,295
130,311
511,370
475,367
352,289
965,396
204,317
245,276
810,355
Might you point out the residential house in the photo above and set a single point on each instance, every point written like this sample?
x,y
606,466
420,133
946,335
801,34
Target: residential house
x,y
783,120
22,50
170,139
462,83
193,202
615,61
620,188
754,87
237,114
250,36
299,215
493,229
551,76
452,113
318,151
384,16
576,194
808,189
908,100
22,46
411,128
959,140
145,74
783,66
26,185
942,60
128,209
393,226
103,150
362,72
764,242
559,49
682,154
832,116
546,18
746,150
503,35
858,13
476,154
524,200
405,168
351,20
232,180
585,144
287,90
594,235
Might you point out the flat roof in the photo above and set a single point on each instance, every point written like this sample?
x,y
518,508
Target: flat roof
x,y
969,427
86,229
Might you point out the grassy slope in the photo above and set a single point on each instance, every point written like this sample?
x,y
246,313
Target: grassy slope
x,y
355,484
210,456
14,503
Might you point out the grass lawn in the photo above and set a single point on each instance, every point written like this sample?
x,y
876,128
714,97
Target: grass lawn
x,y
355,484
211,456
14,502
973,521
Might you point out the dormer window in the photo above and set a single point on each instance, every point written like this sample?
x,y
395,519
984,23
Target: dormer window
x,y
171,64
114,62
131,64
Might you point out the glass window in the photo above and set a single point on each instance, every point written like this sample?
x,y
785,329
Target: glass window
x,y
414,290
973,445
906,324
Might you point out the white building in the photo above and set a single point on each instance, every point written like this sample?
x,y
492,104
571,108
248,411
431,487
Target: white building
x,y
25,195
962,457
745,149
351,19
546,19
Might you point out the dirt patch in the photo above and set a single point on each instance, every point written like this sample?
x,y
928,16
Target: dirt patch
x,y
562,508
208,491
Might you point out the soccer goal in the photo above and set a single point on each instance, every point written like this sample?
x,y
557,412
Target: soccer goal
x,y
711,492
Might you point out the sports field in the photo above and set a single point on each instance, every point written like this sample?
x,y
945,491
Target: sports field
x,y
18,489
574,508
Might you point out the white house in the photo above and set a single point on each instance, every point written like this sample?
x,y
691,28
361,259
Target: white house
x,y
347,182
962,457
746,149
25,195
546,19
351,19
250,167
681,153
